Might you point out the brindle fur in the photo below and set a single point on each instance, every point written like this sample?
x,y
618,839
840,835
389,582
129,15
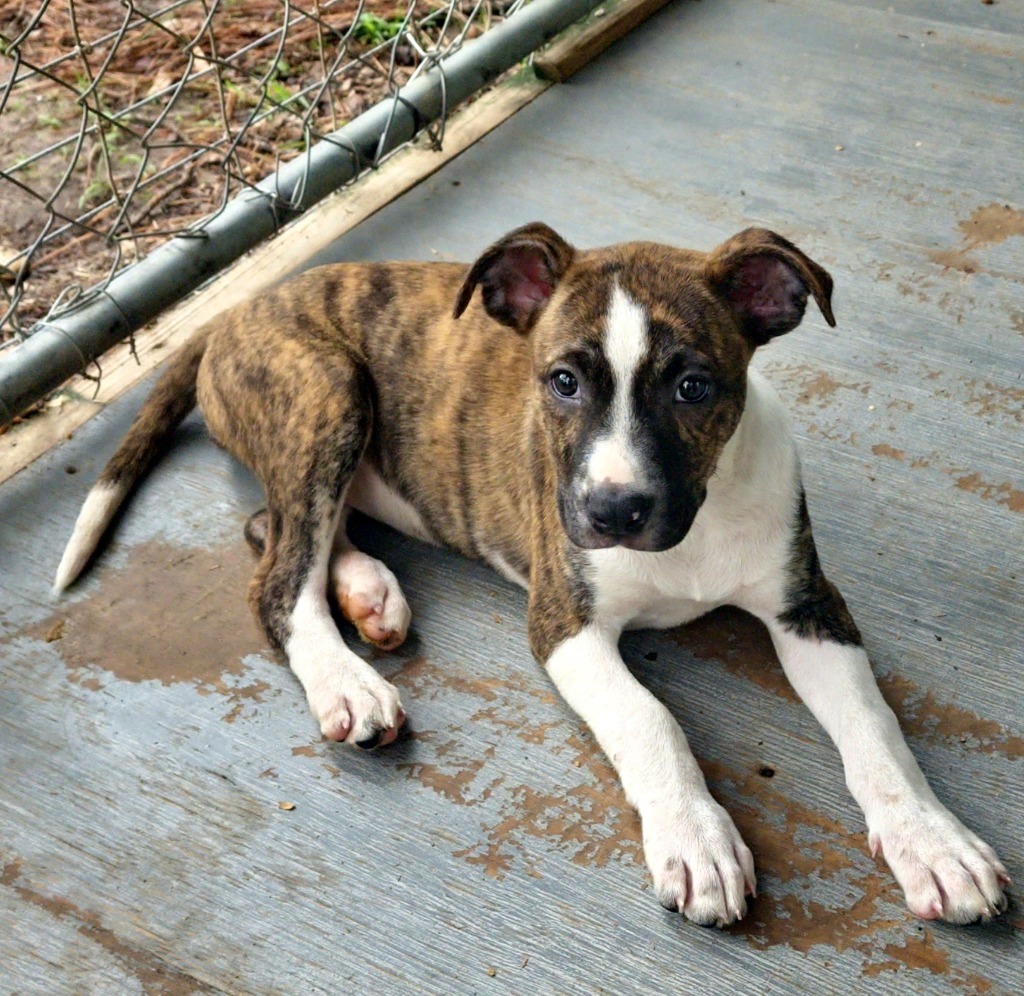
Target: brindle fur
x,y
365,362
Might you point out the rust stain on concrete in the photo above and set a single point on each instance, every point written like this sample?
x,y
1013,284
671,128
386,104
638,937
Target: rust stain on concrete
x,y
795,844
424,677
988,225
989,398
923,716
993,98
832,434
921,952
451,784
450,774
154,975
452,779
790,841
173,615
538,733
802,924
993,223
1004,493
447,770
55,632
741,644
591,820
885,450
813,385
501,717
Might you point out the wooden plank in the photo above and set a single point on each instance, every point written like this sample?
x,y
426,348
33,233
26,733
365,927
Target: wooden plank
x,y
81,399
571,52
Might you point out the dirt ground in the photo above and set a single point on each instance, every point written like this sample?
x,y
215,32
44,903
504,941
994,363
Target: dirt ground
x,y
145,122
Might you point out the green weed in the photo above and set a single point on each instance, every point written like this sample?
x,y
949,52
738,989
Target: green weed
x,y
371,29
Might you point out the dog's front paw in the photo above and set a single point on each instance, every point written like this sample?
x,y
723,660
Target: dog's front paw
x,y
700,865
371,599
360,709
945,871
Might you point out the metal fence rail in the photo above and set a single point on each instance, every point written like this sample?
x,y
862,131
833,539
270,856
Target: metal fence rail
x,y
130,157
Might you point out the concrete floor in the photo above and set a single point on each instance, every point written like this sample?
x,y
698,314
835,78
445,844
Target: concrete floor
x,y
148,739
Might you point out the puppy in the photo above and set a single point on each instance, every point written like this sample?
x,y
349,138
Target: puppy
x,y
587,424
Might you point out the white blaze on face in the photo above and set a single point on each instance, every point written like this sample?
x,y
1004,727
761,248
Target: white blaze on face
x,y
612,459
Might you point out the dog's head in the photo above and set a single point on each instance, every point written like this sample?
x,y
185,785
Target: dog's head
x,y
640,355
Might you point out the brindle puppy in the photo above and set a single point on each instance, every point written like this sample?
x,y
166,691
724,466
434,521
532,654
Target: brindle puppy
x,y
589,426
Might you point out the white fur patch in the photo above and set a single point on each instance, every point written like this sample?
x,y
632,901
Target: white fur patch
x,y
505,569
625,340
100,506
609,463
613,459
369,494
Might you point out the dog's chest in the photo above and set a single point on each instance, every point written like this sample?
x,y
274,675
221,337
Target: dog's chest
x,y
637,590
716,562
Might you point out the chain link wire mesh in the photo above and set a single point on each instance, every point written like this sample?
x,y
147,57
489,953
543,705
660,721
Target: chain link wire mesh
x,y
125,122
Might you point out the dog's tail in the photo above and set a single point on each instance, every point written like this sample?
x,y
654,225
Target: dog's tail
x,y
172,399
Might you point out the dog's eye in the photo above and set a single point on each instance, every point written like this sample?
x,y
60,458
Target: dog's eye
x,y
564,384
693,388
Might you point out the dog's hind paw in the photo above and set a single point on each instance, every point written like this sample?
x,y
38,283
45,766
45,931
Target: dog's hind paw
x,y
700,865
370,598
945,871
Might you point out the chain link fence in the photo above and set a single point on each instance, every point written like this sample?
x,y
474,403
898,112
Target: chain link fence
x,y
125,122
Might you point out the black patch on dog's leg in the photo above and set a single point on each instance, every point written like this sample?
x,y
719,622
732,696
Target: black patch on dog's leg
x,y
814,607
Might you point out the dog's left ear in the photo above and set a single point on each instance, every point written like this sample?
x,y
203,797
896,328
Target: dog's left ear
x,y
518,274
765,279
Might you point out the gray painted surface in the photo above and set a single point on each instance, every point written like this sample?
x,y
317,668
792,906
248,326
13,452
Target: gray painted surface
x,y
145,749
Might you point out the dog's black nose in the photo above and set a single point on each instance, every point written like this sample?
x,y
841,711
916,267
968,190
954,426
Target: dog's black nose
x,y
616,511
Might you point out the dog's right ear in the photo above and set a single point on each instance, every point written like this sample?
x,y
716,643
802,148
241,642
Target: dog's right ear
x,y
518,274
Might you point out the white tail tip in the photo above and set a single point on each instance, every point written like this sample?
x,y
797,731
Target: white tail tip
x,y
100,507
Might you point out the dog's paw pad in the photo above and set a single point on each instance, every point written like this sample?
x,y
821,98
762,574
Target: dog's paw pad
x,y
700,865
945,871
370,598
